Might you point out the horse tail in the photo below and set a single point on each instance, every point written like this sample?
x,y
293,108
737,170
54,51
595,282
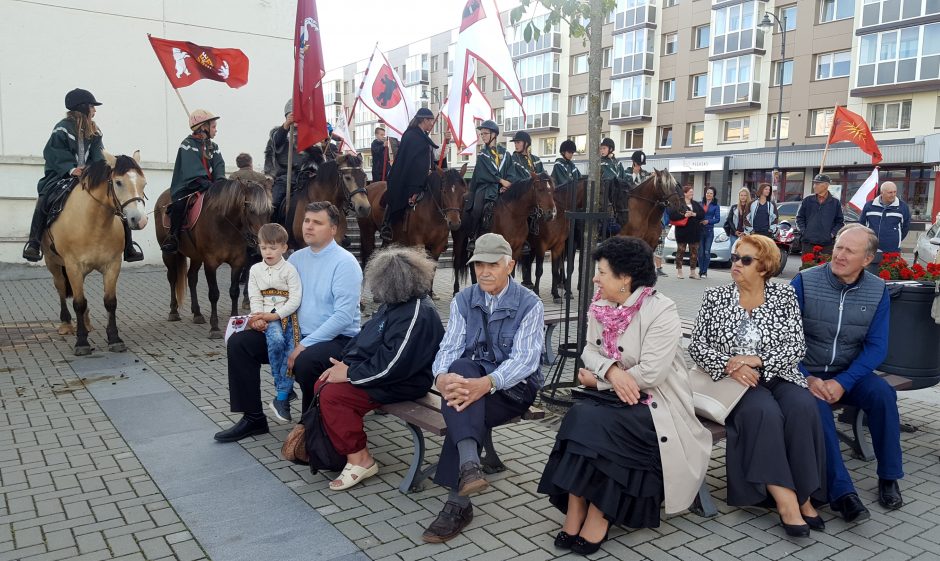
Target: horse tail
x,y
460,260
182,267
68,285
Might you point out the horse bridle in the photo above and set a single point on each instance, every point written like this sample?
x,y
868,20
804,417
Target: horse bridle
x,y
117,207
663,204
348,204
439,204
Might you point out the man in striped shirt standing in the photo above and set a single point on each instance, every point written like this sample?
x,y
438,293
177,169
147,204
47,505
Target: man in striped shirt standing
x,y
487,371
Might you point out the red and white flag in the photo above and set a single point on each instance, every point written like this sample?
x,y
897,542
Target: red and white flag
x,y
482,39
341,130
867,192
309,109
383,93
185,63
475,106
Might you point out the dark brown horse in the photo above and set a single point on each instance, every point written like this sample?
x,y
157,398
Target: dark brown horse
x,y
428,224
640,208
341,182
533,196
232,213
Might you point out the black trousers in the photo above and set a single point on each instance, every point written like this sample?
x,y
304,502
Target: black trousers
x,y
473,422
248,350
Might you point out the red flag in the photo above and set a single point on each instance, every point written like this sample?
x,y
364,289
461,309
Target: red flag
x,y
852,127
186,62
309,109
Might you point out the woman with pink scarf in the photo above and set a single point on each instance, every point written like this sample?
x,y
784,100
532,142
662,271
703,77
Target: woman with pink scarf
x,y
633,442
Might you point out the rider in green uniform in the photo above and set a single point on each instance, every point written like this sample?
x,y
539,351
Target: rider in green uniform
x,y
487,181
610,167
564,170
521,162
637,174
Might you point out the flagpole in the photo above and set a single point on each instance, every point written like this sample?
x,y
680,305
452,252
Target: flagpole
x,y
183,103
822,164
290,171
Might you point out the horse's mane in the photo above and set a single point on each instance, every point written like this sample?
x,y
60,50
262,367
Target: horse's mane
x,y
453,174
125,164
100,172
225,195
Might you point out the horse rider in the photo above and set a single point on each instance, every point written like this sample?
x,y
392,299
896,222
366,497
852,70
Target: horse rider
x,y
564,170
610,167
521,162
487,181
75,143
199,164
280,145
413,162
637,174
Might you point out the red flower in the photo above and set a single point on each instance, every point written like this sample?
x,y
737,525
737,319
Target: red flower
x,y
906,274
917,268
808,258
884,274
817,248
892,255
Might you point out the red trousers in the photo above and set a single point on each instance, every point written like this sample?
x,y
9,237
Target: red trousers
x,y
343,406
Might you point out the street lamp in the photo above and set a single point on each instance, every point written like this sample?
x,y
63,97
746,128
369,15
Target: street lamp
x,y
782,24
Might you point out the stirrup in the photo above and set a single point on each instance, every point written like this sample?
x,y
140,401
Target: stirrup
x,y
32,252
133,253
170,244
386,232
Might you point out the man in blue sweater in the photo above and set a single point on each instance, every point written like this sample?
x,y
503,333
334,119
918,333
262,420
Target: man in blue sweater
x,y
889,217
328,318
845,320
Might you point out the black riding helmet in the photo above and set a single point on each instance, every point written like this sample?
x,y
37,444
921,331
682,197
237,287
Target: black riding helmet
x,y
490,126
639,158
79,100
609,142
523,136
568,146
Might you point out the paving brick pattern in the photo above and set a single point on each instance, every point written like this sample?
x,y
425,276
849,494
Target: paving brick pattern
x,y
72,489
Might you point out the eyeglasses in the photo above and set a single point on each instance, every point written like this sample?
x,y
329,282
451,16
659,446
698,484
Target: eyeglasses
x,y
745,260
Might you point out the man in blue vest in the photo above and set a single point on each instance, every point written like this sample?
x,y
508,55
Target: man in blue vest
x,y
889,217
487,371
845,320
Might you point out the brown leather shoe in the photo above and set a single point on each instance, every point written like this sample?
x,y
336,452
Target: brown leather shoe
x,y
472,480
450,522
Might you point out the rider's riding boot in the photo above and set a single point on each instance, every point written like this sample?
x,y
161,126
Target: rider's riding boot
x,y
177,210
386,231
132,251
33,250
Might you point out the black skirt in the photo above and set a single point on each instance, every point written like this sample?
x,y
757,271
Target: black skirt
x,y
610,457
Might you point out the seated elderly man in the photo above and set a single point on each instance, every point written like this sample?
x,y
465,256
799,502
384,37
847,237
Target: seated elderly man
x,y
487,370
328,317
845,320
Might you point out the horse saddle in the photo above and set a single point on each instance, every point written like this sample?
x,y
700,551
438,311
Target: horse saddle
x,y
55,200
193,210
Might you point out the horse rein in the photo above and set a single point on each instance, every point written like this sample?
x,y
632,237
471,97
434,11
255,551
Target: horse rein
x,y
117,207
348,205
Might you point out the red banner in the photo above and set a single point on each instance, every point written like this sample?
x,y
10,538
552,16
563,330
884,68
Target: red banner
x,y
309,109
186,62
852,127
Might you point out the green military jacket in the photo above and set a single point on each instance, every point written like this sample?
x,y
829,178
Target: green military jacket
x,y
632,179
191,165
519,166
61,154
565,172
611,169
488,167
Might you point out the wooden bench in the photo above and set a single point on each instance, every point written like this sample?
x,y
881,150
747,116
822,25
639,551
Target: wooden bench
x,y
861,446
425,415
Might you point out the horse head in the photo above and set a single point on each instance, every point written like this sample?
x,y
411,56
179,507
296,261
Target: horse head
x,y
126,183
353,179
544,195
668,190
453,189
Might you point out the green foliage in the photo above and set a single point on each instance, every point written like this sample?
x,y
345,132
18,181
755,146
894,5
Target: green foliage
x,y
574,12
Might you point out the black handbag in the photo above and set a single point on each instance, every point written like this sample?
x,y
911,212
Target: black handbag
x,y
320,451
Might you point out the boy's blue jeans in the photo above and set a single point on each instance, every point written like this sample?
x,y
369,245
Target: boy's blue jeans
x,y
280,344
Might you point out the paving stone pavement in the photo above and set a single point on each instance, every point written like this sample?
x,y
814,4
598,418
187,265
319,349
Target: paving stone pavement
x,y
72,488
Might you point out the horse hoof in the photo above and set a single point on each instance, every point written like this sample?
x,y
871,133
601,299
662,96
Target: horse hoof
x,y
66,329
173,316
199,320
119,347
82,350
215,334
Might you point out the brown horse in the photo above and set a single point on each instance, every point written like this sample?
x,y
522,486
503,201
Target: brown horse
x,y
642,205
232,213
533,196
89,236
428,224
341,182
553,237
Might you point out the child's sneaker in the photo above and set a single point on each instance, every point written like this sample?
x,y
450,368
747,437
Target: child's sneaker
x,y
281,408
292,395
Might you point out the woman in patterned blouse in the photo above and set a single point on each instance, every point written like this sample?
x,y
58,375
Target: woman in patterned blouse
x,y
752,331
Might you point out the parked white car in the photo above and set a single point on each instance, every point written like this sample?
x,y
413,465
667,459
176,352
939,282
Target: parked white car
x,y
721,246
925,250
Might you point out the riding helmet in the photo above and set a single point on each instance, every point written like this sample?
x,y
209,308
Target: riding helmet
x,y
490,126
609,142
568,146
639,158
523,136
78,97
200,116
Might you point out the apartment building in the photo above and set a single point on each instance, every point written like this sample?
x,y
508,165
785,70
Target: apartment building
x,y
696,84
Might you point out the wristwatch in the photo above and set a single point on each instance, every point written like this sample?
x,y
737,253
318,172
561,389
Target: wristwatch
x,y
492,384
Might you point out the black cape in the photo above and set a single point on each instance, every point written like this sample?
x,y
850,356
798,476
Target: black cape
x,y
409,173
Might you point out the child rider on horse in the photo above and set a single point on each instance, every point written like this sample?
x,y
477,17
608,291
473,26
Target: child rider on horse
x,y
199,164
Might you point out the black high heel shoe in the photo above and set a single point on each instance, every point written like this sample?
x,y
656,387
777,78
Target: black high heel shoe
x,y
564,540
792,530
815,522
583,547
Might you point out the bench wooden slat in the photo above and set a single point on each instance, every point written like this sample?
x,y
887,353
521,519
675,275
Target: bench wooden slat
x,y
418,414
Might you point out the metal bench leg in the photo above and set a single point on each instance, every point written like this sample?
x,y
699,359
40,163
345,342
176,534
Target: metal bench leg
x,y
703,505
863,446
415,477
548,351
490,461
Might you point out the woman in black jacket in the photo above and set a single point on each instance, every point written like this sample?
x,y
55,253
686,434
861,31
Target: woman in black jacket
x,y
388,361
688,234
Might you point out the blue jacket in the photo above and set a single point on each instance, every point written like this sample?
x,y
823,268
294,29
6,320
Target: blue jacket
x,y
890,222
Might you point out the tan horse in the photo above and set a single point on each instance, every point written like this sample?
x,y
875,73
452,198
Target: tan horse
x,y
232,213
89,236
341,182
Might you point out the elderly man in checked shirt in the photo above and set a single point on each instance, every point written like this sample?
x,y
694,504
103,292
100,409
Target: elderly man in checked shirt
x,y
487,370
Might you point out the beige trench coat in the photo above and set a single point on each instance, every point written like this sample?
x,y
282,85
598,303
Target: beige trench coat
x,y
650,352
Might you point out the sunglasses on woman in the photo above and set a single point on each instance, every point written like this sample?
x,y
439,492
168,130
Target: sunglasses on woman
x,y
745,260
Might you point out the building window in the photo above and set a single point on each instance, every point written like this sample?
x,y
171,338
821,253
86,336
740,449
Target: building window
x,y
631,97
580,142
701,36
608,56
788,12
833,65
633,51
893,57
732,80
784,127
541,111
449,58
667,90
539,72
670,3
435,63
605,100
415,70
736,130
734,28
833,10
498,116
891,116
670,43
875,12
786,67
699,85
579,64
665,137
820,120
518,46
548,146
497,84
632,12
632,139
577,104
696,134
